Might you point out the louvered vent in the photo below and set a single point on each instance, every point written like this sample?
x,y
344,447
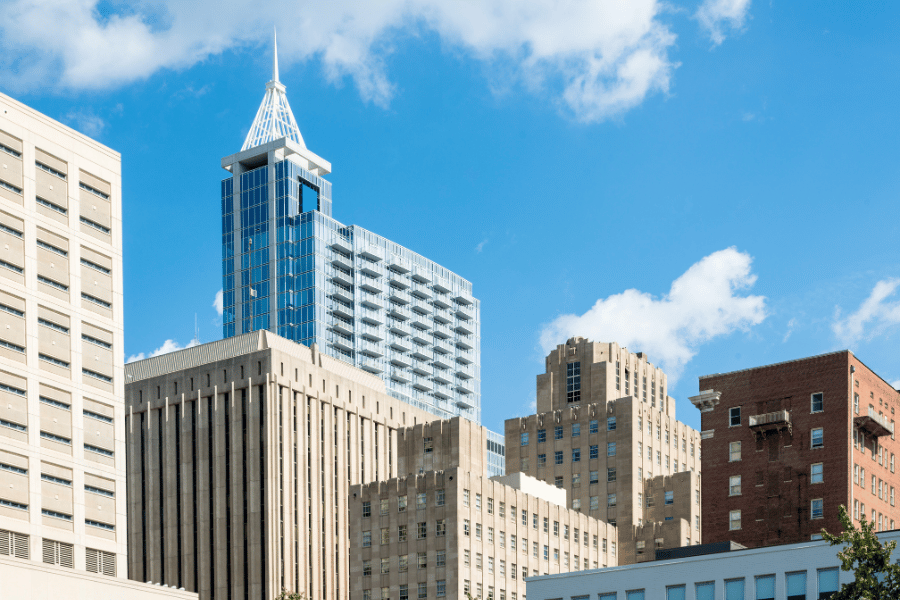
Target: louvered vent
x,y
101,562
59,553
13,544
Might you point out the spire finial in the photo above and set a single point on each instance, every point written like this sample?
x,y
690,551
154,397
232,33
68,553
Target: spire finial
x,y
274,54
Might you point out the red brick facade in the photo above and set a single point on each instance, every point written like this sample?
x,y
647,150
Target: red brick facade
x,y
777,491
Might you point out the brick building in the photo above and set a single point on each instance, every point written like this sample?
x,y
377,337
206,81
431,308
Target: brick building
x,y
785,445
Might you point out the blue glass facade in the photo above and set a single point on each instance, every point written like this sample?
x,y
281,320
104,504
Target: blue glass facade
x,y
289,267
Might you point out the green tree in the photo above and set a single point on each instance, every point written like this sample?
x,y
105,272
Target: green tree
x,y
875,576
287,595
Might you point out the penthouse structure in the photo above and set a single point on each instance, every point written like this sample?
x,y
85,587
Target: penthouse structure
x,y
606,432
785,445
289,267
442,529
241,455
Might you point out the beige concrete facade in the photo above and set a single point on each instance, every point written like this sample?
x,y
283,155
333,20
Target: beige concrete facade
x,y
611,453
451,530
62,419
279,432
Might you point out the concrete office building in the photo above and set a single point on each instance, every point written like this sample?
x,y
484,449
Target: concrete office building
x,y
442,528
241,454
62,420
606,432
785,445
289,267
804,571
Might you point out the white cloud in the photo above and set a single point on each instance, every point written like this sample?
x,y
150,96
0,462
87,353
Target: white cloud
x,y
719,16
168,346
875,316
217,302
790,330
85,122
480,246
598,57
896,384
702,304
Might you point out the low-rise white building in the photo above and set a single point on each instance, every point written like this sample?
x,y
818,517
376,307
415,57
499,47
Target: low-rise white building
x,y
804,571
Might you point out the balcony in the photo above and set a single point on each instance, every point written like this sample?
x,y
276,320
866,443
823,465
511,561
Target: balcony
x,y
421,336
371,332
398,280
421,275
465,371
420,306
342,293
464,356
400,344
443,377
341,325
369,284
371,348
401,361
339,276
442,391
343,245
372,365
441,301
772,421
373,317
422,352
464,342
465,327
369,268
373,253
421,322
421,290
342,310
464,299
874,424
341,260
339,341
464,312
401,375
370,300
421,368
442,315
464,403
399,312
398,264
444,361
399,296
465,386
420,383
399,327
443,346
442,331
442,286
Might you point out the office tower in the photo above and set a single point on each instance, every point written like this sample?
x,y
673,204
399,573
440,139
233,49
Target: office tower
x,y
785,445
606,432
241,453
291,268
442,529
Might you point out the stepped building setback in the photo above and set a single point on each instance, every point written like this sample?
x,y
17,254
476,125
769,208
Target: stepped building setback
x,y
785,445
289,267
606,433
442,529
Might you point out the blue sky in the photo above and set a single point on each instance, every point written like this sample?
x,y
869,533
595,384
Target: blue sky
x,y
713,183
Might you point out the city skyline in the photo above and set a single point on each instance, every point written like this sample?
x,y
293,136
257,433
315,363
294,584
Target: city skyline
x,y
743,150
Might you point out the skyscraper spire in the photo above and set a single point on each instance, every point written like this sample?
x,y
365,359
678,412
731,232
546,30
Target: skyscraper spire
x,y
274,119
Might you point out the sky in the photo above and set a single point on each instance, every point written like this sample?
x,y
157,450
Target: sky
x,y
714,183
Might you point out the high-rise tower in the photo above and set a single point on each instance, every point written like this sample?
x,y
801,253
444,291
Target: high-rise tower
x,y
290,268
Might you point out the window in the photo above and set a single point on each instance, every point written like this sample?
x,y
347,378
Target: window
x,y
595,477
384,506
610,474
817,403
385,566
734,589
429,445
734,485
634,594
558,433
366,509
401,533
610,448
734,416
546,525
523,438
576,455
595,451
576,430
611,500
546,552
816,473
576,503
595,502
477,501
675,592
594,426
466,498
477,531
670,498
558,457
404,592
466,527
490,535
573,382
385,536
765,587
734,451
828,582
542,460
401,504
558,481
422,592
439,497
705,590
541,436
734,520
611,424
367,539
490,506
856,403
367,568
816,510
817,438
478,561
421,531
422,559
441,587
404,563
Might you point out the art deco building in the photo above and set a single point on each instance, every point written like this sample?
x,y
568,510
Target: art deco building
x,y
63,529
289,267
241,455
785,445
442,529
606,432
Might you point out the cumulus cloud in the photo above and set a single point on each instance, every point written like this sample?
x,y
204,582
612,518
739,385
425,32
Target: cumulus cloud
x,y
480,246
703,303
878,313
168,346
599,58
85,122
717,17
217,302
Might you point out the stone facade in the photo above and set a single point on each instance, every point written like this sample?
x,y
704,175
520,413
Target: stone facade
x,y
62,419
279,432
610,452
450,530
786,444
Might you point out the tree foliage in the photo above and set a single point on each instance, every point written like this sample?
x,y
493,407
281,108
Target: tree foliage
x,y
875,576
288,595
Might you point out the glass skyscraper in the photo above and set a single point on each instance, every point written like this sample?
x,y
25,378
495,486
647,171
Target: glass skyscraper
x,y
289,267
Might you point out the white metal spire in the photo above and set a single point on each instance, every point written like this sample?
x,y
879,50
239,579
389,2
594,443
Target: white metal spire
x,y
274,119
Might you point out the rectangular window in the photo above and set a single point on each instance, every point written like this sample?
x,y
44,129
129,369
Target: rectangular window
x,y
385,536
385,506
595,451
541,436
795,585
523,439
576,430
817,438
595,426
421,501
439,497
734,416
734,589
401,533
817,403
401,504
734,451
558,432
734,485
765,587
817,473
366,539
610,474
611,424
595,502
705,590
610,448
734,520
611,500
816,510
421,531
477,501
634,595
429,445
404,563
542,460
828,582
366,509
595,477
558,457
573,382
670,497
576,455
675,592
